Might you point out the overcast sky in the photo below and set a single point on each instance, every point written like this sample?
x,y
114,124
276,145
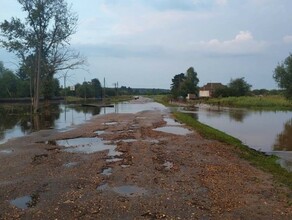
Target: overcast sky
x,y
144,43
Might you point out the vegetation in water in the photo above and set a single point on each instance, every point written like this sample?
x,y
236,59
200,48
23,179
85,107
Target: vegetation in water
x,y
258,159
275,102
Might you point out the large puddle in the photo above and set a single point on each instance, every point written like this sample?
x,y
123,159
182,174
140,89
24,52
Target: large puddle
x,y
173,127
174,130
89,146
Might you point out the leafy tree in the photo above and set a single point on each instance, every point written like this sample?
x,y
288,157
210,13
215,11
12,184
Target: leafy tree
x,y
182,84
176,86
222,92
283,76
43,36
190,83
8,82
96,88
239,87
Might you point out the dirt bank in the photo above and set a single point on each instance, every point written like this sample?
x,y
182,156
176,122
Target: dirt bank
x,y
146,174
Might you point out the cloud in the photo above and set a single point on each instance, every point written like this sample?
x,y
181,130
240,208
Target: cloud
x,y
242,44
221,2
287,39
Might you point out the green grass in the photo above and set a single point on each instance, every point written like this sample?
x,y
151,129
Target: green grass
x,y
113,99
258,159
265,102
163,99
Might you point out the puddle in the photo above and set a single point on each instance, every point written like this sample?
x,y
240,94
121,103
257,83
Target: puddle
x,y
87,146
22,202
171,122
102,187
107,171
110,123
69,165
113,159
129,140
99,132
130,191
174,130
6,151
152,141
168,165
125,165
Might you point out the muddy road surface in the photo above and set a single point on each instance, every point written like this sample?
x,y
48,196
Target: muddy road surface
x,y
141,165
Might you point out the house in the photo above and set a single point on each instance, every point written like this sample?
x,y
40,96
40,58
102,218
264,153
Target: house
x,y
208,89
191,96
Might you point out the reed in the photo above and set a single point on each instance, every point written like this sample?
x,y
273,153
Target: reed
x,y
275,102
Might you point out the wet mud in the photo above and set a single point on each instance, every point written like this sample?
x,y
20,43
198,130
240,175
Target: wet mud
x,y
123,166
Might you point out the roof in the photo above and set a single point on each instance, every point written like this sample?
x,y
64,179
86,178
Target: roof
x,y
212,86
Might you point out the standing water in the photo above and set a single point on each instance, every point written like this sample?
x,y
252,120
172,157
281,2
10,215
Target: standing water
x,y
266,131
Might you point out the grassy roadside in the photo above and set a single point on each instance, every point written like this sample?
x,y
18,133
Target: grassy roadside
x,y
275,102
258,159
109,100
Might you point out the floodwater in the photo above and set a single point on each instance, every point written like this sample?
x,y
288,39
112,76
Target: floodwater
x,y
17,120
266,131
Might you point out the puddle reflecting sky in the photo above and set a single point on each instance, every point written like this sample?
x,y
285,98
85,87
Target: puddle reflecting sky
x,y
174,130
22,202
87,146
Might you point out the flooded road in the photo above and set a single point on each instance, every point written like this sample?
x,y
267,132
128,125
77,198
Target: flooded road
x,y
266,131
122,166
16,121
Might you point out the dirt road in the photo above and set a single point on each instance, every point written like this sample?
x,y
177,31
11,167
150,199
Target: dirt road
x,y
133,166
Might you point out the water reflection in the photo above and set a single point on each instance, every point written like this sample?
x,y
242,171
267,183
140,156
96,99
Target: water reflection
x,y
284,139
17,120
266,131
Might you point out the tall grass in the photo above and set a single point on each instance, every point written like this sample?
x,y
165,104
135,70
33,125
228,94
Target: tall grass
x,y
265,102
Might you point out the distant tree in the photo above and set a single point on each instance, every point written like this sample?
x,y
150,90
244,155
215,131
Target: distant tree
x,y
190,83
96,88
185,83
8,82
239,87
222,92
43,36
176,86
283,76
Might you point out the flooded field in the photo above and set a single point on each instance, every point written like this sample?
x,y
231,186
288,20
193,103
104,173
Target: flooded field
x,y
266,131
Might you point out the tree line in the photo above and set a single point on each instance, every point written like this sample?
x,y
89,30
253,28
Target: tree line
x,y
187,83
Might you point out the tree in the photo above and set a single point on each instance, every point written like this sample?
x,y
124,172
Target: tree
x,y
185,83
8,82
177,84
41,41
283,76
96,88
239,87
190,83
